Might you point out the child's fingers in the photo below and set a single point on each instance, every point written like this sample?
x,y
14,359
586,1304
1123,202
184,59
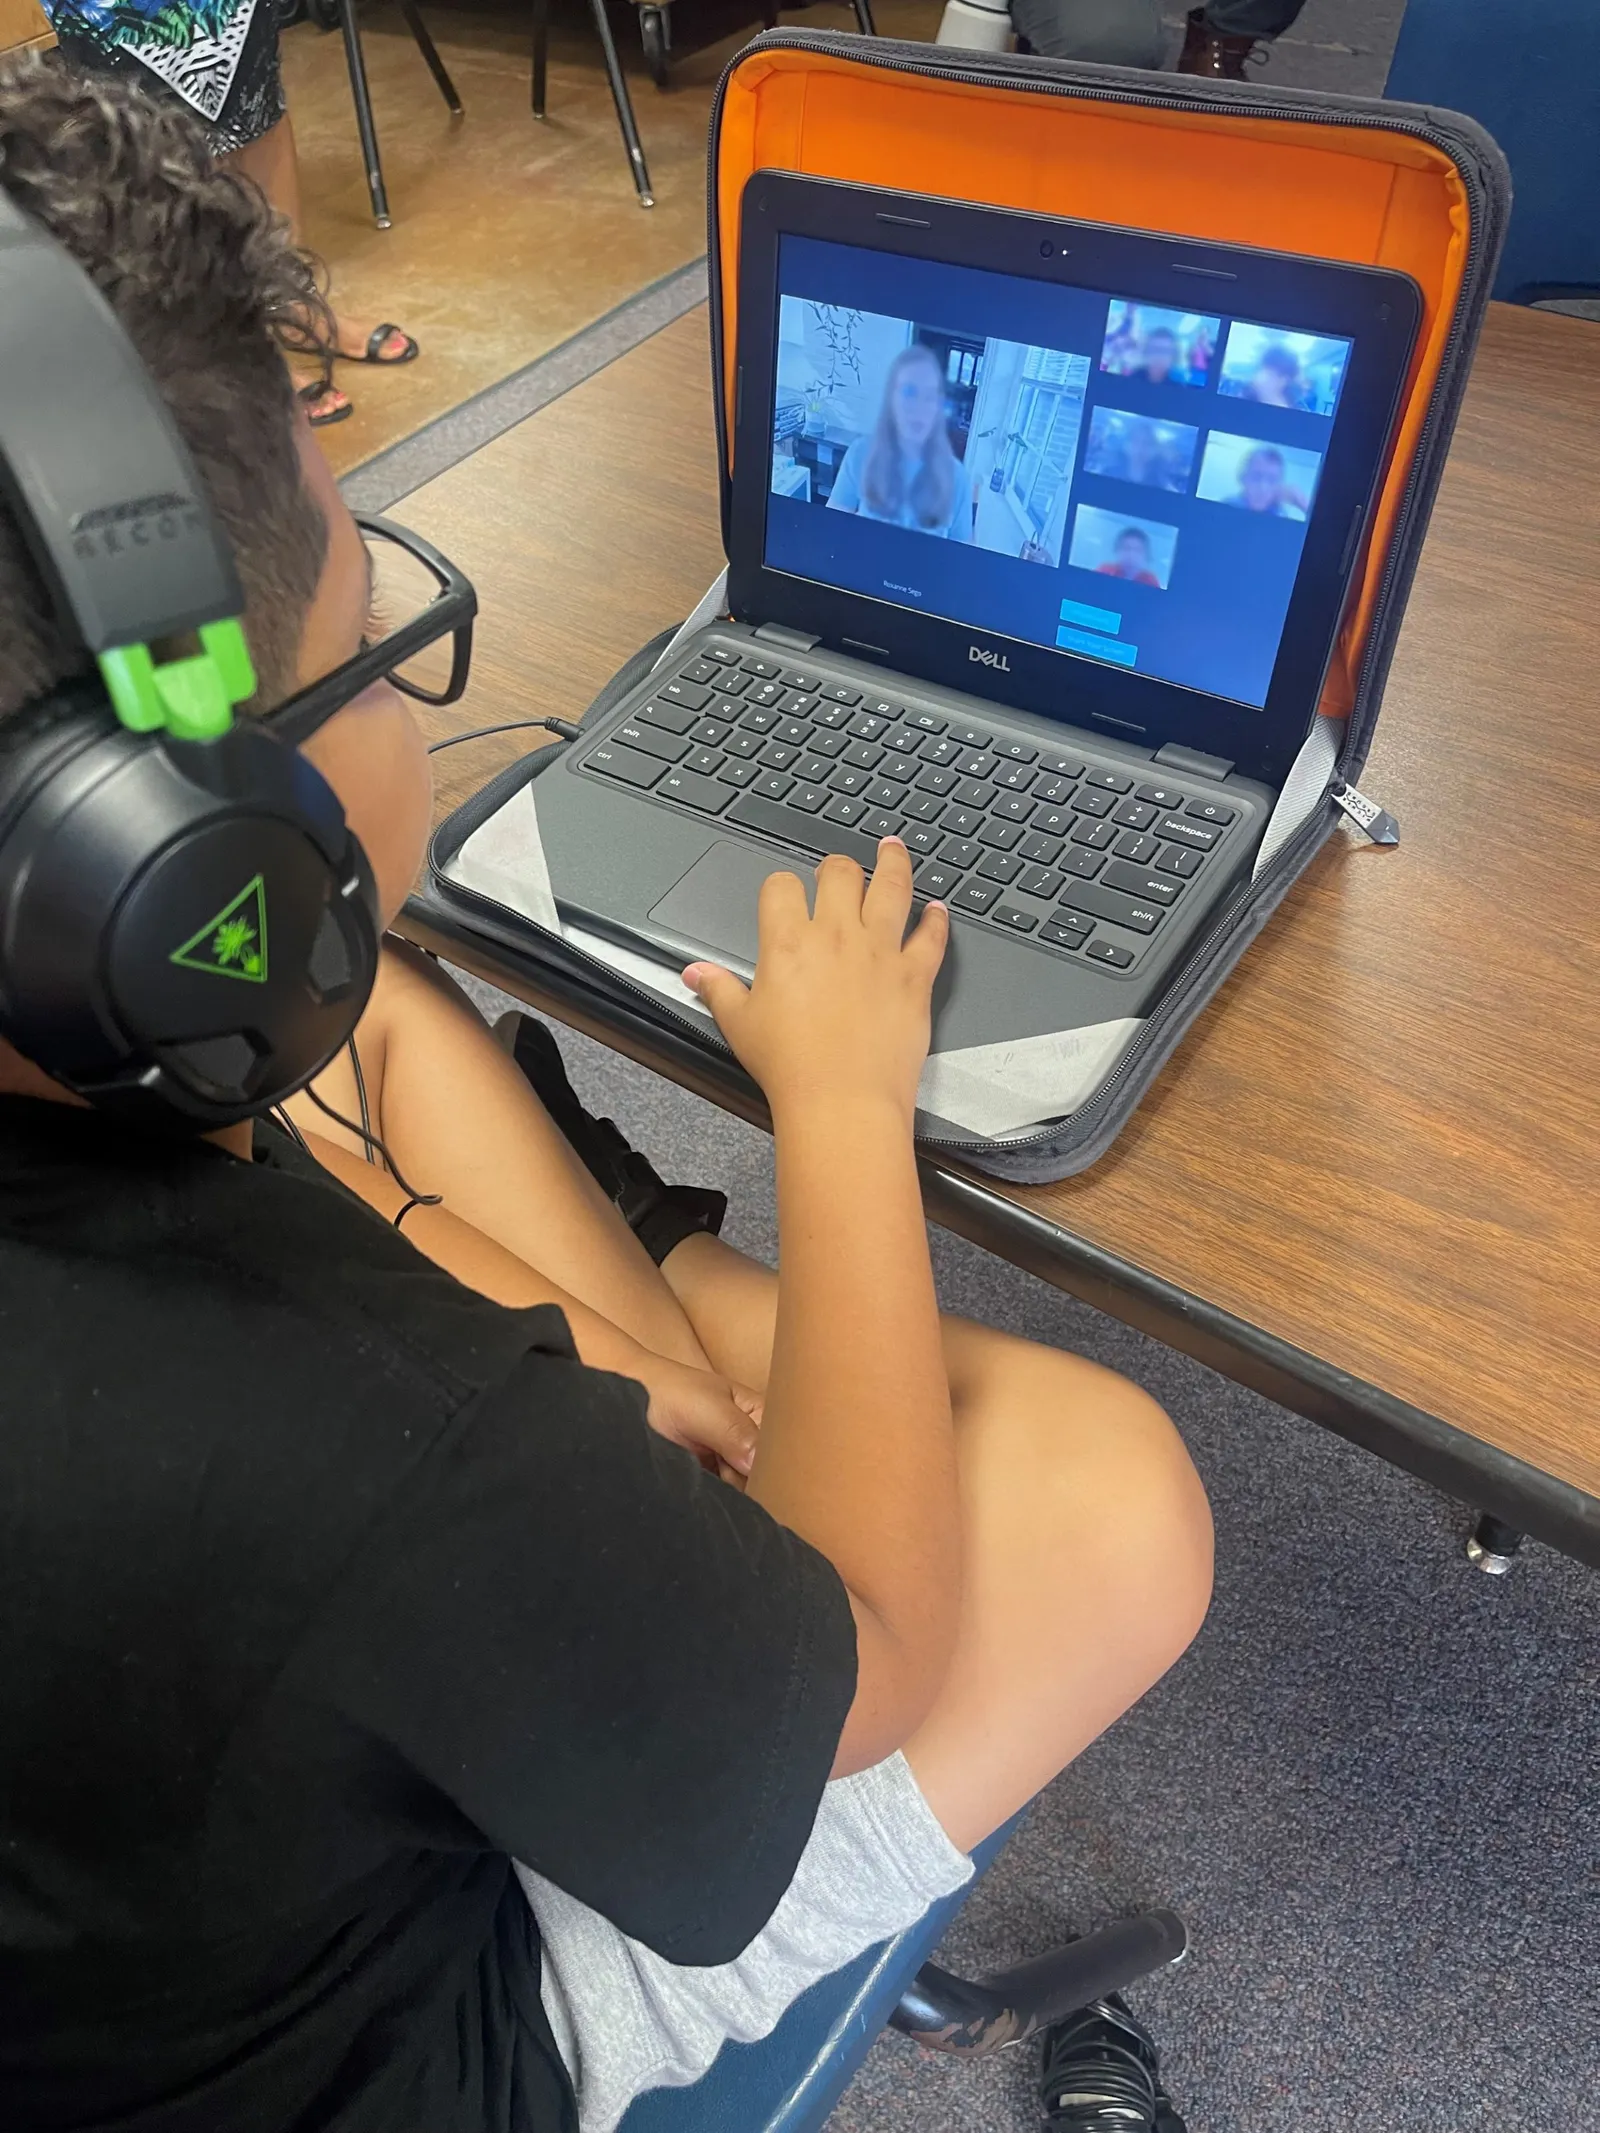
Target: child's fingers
x,y
722,992
930,937
840,884
780,908
887,903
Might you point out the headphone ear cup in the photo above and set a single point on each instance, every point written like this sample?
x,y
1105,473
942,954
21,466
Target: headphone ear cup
x,y
190,928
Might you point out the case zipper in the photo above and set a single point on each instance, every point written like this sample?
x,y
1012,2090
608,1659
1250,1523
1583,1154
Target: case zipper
x,y
1374,821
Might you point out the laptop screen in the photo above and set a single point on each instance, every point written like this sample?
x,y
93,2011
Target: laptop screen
x,y
1068,466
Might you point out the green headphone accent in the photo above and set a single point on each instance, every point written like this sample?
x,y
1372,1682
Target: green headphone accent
x,y
192,698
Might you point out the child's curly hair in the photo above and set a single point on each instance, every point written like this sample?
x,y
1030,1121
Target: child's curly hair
x,y
211,292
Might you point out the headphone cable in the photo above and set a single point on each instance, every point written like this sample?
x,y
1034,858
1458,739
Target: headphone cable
x,y
563,728
361,1098
373,1141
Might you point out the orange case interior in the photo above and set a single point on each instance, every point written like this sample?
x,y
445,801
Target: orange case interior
x,y
1326,190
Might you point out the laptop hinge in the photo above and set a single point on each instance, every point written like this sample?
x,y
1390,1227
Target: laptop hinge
x,y
791,640
1177,757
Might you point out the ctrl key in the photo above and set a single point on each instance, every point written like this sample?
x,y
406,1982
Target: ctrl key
x,y
612,760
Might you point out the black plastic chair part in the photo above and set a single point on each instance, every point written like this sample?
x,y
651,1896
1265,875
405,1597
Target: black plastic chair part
x,y
361,95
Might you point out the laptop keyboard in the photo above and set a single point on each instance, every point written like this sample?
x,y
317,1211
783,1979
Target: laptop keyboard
x,y
1085,859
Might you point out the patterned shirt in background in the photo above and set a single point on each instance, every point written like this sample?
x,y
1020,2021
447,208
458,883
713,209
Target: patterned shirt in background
x,y
218,57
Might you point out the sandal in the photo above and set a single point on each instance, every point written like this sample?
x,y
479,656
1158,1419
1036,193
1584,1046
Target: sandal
x,y
319,389
373,352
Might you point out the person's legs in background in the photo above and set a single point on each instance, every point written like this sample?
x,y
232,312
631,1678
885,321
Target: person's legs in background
x,y
1225,35
1113,33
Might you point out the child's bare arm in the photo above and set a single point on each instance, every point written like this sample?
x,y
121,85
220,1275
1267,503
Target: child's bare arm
x,y
856,1451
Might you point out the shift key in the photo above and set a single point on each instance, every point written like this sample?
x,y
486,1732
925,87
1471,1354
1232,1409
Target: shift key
x,y
1110,903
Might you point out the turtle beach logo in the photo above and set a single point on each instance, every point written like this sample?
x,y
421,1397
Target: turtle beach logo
x,y
997,660
141,522
234,943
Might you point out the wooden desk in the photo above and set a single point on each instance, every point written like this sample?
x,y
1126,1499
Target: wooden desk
x,y
1369,1182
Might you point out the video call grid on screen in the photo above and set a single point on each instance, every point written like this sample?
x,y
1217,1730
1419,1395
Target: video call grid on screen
x,y
1113,479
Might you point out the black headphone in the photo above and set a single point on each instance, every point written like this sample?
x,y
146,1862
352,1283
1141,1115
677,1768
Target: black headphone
x,y
188,928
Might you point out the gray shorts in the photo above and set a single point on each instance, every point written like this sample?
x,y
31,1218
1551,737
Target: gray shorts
x,y
627,2021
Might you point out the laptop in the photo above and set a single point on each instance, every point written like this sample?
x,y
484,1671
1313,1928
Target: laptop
x,y
1039,536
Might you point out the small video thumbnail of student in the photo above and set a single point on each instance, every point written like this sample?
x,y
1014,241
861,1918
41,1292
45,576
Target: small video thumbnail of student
x,y
1276,480
1275,368
1127,447
931,428
1137,550
1159,347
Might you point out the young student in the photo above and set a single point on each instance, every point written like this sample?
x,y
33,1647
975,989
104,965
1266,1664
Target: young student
x,y
1130,559
338,1570
906,473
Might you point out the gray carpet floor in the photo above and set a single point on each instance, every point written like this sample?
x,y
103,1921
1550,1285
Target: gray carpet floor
x,y
1370,1786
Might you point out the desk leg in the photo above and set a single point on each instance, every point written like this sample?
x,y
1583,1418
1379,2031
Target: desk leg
x,y
1492,1545
624,104
361,97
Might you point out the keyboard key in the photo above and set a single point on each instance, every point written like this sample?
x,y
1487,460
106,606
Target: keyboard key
x,y
975,763
902,740
925,721
1160,795
1043,851
1055,790
801,678
901,767
923,806
773,784
705,762
1060,936
1139,882
671,718
962,852
1135,814
963,822
721,655
1096,835
971,736
724,707
848,779
837,693
650,740
867,726
821,742
813,769
1041,881
1181,863
1122,910
1016,751
1013,777
1177,830
881,707
768,669
1054,821
1001,835
827,714
1211,811
793,730
743,743
863,755
812,832
711,731
679,691
1108,780
1062,766
1015,917
1141,851
760,718
937,879
1084,863
810,799
975,895
707,794
878,822
1093,803
939,748
613,761
700,670
1013,807
1104,951
733,772
1000,866
732,683
882,792
778,756
932,779
841,808
922,838
765,692
970,792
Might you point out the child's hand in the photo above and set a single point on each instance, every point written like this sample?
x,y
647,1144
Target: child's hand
x,y
708,1415
840,1006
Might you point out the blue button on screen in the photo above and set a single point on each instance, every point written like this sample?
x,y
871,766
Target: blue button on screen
x,y
1090,618
1122,655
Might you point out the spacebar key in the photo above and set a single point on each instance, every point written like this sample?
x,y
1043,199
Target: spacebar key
x,y
810,831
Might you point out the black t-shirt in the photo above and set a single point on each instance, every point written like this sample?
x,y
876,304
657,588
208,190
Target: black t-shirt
x,y
326,1588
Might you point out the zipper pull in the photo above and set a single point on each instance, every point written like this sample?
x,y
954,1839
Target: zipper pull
x,y
1374,821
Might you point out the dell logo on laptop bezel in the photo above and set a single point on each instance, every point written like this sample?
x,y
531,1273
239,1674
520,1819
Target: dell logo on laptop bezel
x,y
982,657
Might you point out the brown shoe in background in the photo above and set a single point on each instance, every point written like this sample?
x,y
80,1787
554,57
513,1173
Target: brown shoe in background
x,y
1207,51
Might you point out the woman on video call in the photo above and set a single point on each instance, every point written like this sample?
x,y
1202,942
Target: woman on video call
x,y
905,473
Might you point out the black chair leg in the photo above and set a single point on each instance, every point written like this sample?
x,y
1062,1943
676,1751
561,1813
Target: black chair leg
x,y
955,2014
430,53
355,61
864,21
1492,1545
624,104
541,53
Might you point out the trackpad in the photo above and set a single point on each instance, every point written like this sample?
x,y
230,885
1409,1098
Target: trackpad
x,y
714,905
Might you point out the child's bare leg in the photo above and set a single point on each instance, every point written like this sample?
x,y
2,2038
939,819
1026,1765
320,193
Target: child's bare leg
x,y
1087,1566
460,1120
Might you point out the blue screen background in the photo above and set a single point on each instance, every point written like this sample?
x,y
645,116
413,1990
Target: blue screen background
x,y
1217,625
